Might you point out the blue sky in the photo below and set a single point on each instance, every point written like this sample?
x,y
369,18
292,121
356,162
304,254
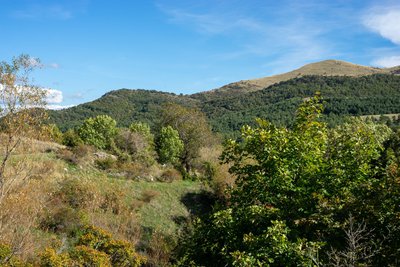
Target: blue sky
x,y
89,47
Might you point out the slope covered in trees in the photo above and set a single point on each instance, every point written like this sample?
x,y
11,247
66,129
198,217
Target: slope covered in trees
x,y
124,105
343,96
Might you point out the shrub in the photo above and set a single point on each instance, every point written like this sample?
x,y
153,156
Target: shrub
x,y
106,163
159,249
87,256
64,219
170,175
121,253
71,139
114,201
50,258
219,179
51,132
77,193
82,150
67,155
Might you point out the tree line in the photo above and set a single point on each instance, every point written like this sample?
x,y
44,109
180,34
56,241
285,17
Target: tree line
x,y
343,96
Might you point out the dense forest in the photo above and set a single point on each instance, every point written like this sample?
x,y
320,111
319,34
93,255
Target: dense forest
x,y
343,96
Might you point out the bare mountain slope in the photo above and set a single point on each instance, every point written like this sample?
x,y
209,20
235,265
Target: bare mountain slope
x,y
322,68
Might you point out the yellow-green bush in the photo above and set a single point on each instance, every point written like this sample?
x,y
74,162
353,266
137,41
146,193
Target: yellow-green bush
x,y
8,259
50,258
121,253
86,256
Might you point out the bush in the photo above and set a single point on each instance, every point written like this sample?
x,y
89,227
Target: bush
x,y
76,155
114,201
170,175
86,256
71,139
82,150
64,219
106,163
219,179
50,258
121,253
159,249
68,156
77,193
51,133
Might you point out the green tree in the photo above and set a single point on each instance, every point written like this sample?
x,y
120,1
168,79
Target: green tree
x,y
193,129
98,131
294,192
169,145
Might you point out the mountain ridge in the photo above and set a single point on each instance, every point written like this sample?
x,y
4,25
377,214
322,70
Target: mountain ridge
x,y
330,67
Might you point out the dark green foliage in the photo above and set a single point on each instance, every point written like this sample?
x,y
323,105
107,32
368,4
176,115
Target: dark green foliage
x,y
71,139
123,105
344,96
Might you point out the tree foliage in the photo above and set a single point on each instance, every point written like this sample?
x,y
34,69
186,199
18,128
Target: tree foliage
x,y
169,145
295,191
193,129
344,96
98,131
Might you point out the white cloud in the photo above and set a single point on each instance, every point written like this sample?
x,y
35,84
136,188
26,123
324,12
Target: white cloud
x,y
58,107
53,96
385,21
387,62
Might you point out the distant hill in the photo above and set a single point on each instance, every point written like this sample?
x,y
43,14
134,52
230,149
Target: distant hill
x,y
125,105
343,96
322,68
348,89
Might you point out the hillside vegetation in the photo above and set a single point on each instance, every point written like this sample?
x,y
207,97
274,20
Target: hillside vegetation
x,y
322,68
355,96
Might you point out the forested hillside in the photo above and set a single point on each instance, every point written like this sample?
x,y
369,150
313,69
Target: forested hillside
x,y
355,96
343,96
124,105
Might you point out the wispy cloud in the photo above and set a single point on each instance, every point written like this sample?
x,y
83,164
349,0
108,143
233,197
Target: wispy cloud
x,y
50,10
209,23
43,12
284,43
